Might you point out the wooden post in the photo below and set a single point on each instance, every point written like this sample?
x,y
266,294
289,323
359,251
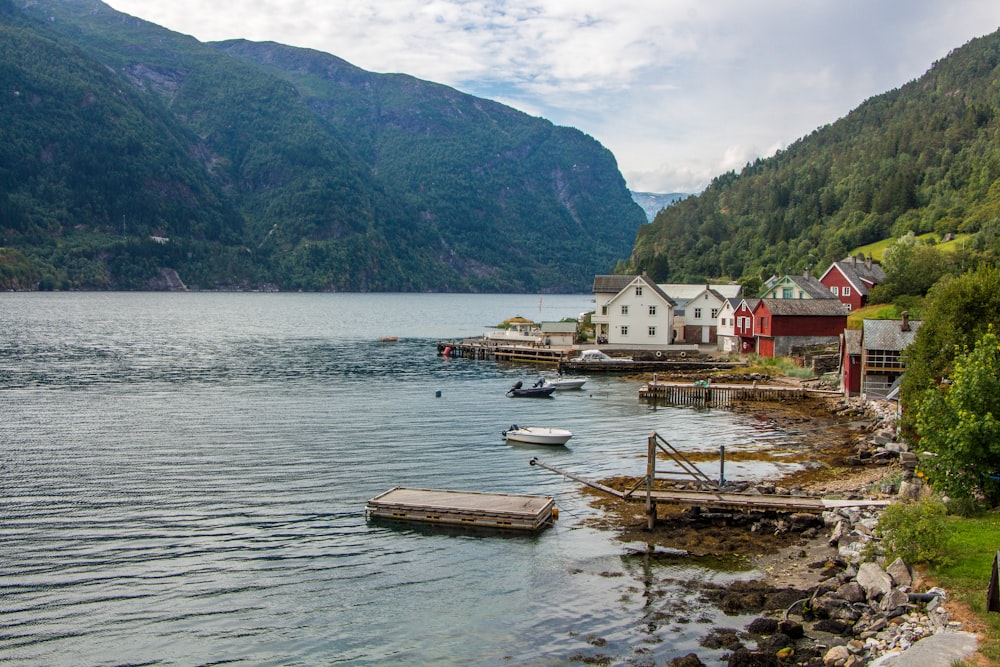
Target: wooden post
x,y
650,475
993,592
722,465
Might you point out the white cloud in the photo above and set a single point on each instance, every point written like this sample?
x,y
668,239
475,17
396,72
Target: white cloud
x,y
680,91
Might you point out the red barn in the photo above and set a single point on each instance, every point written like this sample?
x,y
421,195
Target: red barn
x,y
780,324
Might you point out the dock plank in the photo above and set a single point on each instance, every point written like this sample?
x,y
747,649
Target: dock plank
x,y
474,508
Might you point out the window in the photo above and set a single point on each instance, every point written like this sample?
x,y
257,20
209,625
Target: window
x,y
786,292
835,290
624,310
715,313
652,310
652,331
638,290
624,330
697,313
604,310
847,291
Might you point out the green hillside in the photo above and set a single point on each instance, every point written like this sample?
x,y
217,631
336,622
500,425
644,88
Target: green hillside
x,y
127,150
923,158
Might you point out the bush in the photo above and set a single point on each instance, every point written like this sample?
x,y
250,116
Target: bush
x,y
917,532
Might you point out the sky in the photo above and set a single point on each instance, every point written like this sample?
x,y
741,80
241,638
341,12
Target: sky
x,y
680,91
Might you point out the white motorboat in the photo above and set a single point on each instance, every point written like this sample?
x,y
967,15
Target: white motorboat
x,y
596,356
534,435
563,384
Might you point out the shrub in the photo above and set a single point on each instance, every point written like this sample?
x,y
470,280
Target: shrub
x,y
917,532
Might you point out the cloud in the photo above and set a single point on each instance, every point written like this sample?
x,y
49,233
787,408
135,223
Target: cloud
x,y
680,91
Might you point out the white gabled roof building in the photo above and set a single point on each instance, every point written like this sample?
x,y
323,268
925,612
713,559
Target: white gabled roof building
x,y
632,310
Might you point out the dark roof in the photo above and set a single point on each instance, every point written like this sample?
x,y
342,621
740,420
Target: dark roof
x,y
811,307
615,284
888,334
860,274
852,341
611,284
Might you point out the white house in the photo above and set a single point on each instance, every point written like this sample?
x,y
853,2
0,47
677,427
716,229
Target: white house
x,y
697,313
632,310
725,328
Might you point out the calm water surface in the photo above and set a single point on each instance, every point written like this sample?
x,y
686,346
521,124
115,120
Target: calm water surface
x,y
183,480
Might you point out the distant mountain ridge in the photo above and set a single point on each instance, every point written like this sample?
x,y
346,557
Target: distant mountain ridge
x,y
129,149
653,202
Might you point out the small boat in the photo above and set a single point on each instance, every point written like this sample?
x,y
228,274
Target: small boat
x,y
536,390
562,385
598,357
537,436
388,339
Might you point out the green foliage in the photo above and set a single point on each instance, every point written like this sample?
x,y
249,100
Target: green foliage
x,y
911,269
291,167
956,314
917,532
924,158
959,425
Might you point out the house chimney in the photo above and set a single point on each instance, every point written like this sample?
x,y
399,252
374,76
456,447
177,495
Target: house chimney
x,y
854,260
905,324
868,262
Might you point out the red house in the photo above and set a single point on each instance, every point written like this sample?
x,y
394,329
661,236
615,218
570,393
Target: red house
x,y
743,325
780,324
851,280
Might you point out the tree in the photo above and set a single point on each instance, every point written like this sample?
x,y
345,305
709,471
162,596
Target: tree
x,y
957,313
911,268
959,425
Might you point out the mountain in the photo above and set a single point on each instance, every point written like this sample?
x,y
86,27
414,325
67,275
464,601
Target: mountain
x,y
923,158
653,202
131,153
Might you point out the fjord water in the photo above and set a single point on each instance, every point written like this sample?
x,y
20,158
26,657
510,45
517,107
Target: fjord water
x,y
183,480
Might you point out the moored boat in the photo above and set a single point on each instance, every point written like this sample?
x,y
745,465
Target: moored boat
x,y
536,390
534,435
564,384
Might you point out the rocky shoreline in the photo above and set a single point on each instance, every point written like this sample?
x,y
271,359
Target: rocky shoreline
x,y
820,602
852,611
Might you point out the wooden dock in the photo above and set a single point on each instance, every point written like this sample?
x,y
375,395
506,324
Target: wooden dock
x,y
485,349
500,511
716,395
710,495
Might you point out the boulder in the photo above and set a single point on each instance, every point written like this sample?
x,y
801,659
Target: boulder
x,y
874,580
900,573
836,656
852,592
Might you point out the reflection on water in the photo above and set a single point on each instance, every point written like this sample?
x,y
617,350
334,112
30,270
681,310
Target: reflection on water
x,y
184,479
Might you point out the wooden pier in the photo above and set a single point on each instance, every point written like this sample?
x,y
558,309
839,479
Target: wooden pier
x,y
716,395
500,511
486,349
654,490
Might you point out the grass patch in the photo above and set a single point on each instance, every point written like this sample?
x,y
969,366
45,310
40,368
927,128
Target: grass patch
x,y
966,578
875,250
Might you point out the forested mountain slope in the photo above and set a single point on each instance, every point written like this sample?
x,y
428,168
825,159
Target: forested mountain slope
x,y
924,157
128,149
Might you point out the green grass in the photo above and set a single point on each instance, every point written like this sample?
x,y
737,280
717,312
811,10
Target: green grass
x,y
976,541
875,250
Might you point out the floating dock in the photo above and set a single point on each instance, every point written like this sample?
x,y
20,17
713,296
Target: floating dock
x,y
686,393
501,511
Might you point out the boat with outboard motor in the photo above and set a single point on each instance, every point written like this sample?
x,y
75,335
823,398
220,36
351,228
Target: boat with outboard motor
x,y
536,390
534,435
